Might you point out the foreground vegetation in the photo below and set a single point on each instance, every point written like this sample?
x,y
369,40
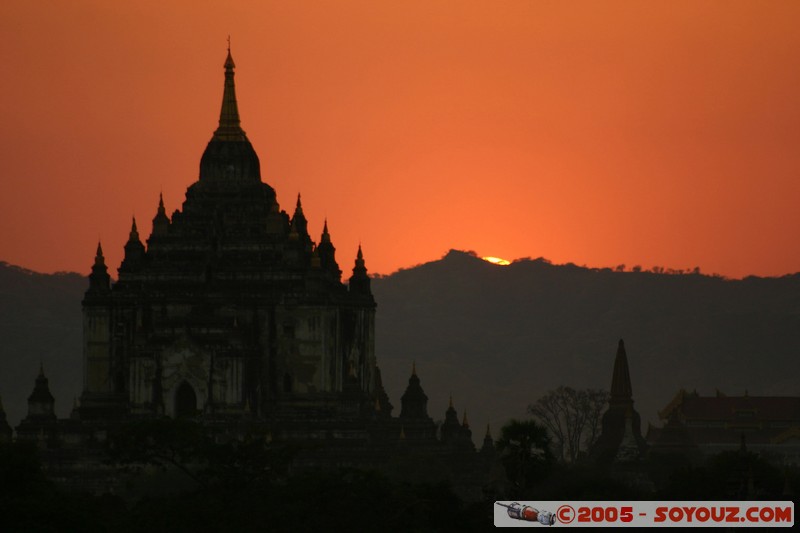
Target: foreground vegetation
x,y
233,494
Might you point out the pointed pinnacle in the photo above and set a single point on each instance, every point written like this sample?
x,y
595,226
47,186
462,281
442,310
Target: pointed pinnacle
x,y
621,380
326,237
99,260
229,124
134,236
229,64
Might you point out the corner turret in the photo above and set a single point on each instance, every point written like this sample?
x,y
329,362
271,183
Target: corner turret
x,y
41,402
414,410
134,251
299,225
383,405
327,254
488,443
359,281
99,280
414,402
450,427
161,220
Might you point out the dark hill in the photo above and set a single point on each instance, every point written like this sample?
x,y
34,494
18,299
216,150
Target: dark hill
x,y
498,337
40,322
495,337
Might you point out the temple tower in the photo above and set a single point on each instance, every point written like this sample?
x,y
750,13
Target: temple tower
x,y
230,309
621,423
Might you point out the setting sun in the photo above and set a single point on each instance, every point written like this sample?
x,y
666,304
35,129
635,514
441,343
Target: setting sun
x,y
496,261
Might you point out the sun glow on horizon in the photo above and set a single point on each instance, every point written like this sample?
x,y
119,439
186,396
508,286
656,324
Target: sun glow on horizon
x,y
496,260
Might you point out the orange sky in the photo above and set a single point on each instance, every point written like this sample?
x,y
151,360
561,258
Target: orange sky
x,y
597,133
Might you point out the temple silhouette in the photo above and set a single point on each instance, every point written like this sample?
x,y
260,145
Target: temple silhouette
x,y
696,431
233,316
621,437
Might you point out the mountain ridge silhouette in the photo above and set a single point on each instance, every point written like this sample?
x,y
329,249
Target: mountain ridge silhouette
x,y
495,337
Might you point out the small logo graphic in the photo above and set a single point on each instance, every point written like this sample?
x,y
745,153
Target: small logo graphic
x,y
565,514
529,514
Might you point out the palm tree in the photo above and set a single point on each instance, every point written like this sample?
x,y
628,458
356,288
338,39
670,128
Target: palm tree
x,y
524,448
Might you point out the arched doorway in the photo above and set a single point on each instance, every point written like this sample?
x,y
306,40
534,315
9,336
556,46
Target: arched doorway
x,y
185,401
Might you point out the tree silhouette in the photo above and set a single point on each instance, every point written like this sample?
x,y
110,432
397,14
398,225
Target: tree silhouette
x,y
524,448
572,417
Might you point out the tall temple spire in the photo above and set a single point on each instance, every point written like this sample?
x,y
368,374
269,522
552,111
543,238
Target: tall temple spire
x,y
621,423
621,390
229,157
229,124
